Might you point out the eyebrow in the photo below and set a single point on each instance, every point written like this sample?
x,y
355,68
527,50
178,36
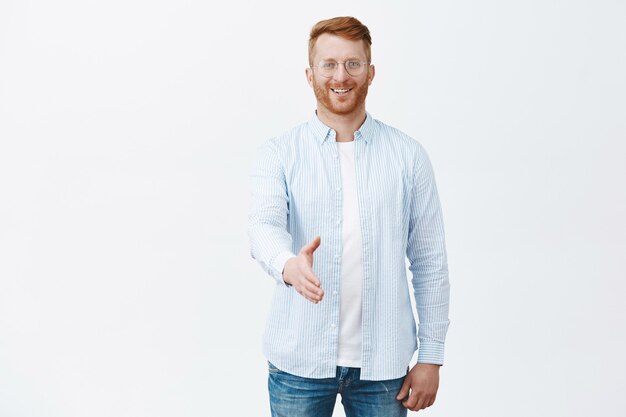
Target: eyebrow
x,y
353,58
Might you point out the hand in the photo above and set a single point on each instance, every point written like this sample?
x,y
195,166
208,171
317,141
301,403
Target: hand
x,y
299,273
423,381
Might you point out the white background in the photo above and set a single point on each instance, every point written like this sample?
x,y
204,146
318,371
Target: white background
x,y
127,132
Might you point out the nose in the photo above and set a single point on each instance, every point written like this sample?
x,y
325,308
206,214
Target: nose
x,y
341,74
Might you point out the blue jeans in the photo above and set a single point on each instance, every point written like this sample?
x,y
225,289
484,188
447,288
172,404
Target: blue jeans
x,y
294,396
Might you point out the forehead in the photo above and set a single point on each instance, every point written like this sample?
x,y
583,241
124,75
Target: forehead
x,y
329,46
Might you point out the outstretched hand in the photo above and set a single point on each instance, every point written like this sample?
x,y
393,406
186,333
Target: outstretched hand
x,y
422,382
299,273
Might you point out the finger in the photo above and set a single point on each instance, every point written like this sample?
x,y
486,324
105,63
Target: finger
x,y
310,247
419,405
411,401
310,276
410,404
317,240
313,289
309,289
312,297
404,391
429,402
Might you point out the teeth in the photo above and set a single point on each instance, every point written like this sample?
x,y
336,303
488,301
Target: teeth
x,y
341,90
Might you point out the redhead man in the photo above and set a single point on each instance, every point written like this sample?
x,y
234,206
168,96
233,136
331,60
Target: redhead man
x,y
338,205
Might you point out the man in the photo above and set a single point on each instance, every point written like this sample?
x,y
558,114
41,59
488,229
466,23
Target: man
x,y
337,204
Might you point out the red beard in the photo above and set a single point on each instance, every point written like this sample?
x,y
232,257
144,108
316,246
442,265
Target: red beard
x,y
337,104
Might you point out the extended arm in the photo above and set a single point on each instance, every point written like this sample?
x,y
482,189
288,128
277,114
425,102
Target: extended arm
x,y
270,240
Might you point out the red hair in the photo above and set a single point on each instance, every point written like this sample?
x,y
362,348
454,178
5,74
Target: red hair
x,y
346,27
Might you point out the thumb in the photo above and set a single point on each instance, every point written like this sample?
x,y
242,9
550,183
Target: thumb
x,y
404,391
310,247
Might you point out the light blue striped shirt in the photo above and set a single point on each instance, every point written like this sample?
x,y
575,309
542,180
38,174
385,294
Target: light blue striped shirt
x,y
297,195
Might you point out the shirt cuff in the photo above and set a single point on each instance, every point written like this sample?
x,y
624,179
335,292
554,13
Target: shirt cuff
x,y
430,352
279,265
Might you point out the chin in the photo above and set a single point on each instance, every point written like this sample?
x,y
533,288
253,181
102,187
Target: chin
x,y
341,108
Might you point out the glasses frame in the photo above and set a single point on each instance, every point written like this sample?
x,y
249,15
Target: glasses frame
x,y
365,65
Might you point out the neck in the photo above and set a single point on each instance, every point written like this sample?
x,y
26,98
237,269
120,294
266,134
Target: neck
x,y
344,125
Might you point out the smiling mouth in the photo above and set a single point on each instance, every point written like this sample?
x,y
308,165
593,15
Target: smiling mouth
x,y
341,91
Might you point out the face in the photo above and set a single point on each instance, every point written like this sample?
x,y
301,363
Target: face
x,y
341,94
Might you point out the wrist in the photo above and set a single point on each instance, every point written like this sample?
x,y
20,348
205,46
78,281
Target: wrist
x,y
279,263
429,366
287,269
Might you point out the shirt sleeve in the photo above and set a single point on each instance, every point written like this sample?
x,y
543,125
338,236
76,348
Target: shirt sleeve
x,y
428,263
270,240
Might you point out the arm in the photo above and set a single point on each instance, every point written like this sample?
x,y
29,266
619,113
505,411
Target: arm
x,y
428,263
270,240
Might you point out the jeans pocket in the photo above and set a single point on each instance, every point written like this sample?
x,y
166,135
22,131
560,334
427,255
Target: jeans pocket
x,y
271,368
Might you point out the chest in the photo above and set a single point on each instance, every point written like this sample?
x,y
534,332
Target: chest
x,y
316,184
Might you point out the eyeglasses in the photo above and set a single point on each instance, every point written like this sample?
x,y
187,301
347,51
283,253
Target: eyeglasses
x,y
353,68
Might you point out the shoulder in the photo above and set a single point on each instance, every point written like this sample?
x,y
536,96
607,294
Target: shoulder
x,y
284,148
287,138
388,135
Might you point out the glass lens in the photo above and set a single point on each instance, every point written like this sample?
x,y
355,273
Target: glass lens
x,y
354,67
327,68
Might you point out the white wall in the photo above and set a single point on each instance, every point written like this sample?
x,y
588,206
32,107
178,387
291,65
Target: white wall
x,y
127,129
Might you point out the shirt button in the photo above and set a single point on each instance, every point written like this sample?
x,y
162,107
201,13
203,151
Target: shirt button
x,y
338,222
335,292
332,326
338,188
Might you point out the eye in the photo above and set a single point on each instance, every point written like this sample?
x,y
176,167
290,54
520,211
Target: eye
x,y
328,65
354,64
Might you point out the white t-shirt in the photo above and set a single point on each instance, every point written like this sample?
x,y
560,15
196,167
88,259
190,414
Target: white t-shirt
x,y
349,353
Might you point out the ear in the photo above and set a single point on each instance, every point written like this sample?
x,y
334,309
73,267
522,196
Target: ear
x,y
370,76
309,76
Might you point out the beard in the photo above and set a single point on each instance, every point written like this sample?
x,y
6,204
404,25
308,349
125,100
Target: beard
x,y
337,104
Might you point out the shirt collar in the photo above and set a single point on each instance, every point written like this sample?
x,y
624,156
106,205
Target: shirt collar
x,y
323,133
